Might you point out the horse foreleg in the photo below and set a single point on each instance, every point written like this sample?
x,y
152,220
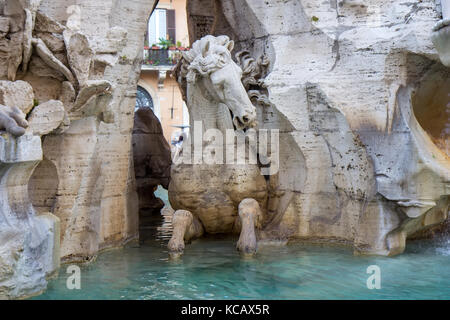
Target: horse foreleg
x,y
251,217
185,228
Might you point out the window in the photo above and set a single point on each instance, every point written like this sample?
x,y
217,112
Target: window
x,y
143,99
161,25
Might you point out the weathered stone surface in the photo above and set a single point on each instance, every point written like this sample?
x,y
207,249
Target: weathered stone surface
x,y
152,160
115,40
441,34
12,120
96,198
46,24
28,242
341,88
17,94
89,179
10,54
250,215
151,152
349,87
4,25
67,95
80,55
92,89
12,8
46,117
185,227
32,5
41,69
27,38
47,56
53,41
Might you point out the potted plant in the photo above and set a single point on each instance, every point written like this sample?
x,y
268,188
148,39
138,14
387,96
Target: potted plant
x,y
165,43
155,47
172,46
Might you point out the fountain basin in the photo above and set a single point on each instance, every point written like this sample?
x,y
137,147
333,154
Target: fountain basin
x,y
212,269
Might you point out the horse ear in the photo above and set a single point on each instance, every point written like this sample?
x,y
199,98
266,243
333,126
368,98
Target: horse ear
x,y
230,45
205,49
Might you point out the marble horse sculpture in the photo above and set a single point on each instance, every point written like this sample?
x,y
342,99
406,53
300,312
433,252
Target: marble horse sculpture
x,y
216,198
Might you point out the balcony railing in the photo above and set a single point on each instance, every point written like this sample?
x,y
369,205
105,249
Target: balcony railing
x,y
156,56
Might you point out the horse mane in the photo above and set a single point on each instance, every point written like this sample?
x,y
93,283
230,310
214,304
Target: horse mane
x,y
207,55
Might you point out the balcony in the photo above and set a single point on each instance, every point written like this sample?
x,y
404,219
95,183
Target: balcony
x,y
162,60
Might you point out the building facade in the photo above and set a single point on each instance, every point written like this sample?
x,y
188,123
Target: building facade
x,y
167,35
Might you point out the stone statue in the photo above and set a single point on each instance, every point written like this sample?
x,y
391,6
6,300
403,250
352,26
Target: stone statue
x,y
12,120
208,197
38,41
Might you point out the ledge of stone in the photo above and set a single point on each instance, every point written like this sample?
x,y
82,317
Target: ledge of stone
x,y
19,149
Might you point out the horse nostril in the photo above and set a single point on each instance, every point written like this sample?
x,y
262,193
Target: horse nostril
x,y
245,119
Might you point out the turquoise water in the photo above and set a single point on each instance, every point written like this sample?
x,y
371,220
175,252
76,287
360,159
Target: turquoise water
x,y
212,269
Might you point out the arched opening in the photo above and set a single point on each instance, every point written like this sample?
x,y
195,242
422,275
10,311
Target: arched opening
x,y
152,161
431,106
43,186
160,113
143,99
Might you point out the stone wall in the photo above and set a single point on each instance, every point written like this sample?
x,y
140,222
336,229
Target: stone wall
x,y
96,195
72,66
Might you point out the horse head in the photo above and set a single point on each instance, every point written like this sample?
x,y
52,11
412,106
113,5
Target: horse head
x,y
210,62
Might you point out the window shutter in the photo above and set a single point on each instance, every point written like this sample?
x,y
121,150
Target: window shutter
x,y
162,25
152,37
171,31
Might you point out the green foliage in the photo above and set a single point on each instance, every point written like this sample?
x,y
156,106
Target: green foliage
x,y
165,43
315,19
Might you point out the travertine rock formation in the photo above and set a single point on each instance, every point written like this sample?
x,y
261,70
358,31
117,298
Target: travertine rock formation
x,y
60,65
357,89
363,122
29,242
